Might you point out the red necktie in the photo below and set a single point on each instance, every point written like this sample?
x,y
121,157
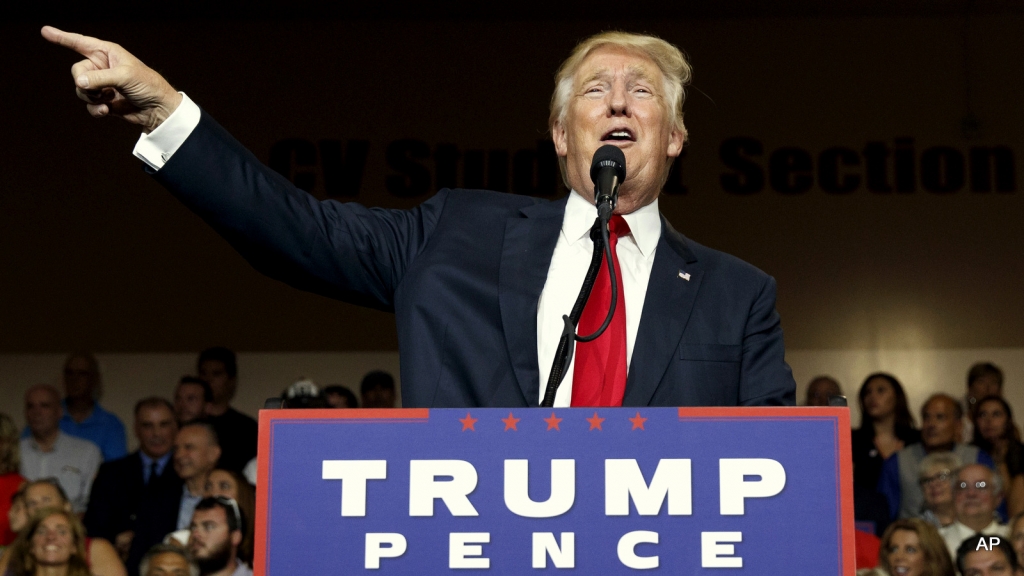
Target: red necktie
x,y
599,376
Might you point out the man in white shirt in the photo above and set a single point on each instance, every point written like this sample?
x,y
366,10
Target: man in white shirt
x,y
977,493
479,281
48,452
216,532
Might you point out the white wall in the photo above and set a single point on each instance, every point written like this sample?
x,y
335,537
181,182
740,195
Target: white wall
x,y
129,377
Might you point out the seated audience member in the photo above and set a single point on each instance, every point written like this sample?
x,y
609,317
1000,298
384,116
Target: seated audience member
x,y
17,516
196,452
167,560
338,396
47,495
191,397
940,431
10,479
821,389
983,379
216,533
228,484
1016,526
886,427
991,559
378,390
48,452
996,433
237,432
53,544
143,479
83,416
977,494
938,475
912,547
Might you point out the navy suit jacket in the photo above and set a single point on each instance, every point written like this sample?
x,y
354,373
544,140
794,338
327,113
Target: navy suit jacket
x,y
463,273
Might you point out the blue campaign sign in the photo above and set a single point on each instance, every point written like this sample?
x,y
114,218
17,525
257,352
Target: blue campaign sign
x,y
601,491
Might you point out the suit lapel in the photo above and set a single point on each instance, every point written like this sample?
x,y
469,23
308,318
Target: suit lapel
x,y
530,240
667,307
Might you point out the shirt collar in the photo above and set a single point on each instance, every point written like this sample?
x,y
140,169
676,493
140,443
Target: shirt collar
x,y
644,223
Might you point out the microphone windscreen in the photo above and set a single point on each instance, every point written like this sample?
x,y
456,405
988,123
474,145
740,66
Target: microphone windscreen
x,y
608,156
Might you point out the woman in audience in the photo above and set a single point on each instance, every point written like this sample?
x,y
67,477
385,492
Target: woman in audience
x,y
913,547
937,474
886,427
231,485
17,517
10,480
1016,526
995,433
53,544
45,494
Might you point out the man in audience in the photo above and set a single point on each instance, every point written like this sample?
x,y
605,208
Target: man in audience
x,y
49,452
238,433
83,416
940,431
821,389
378,390
195,455
167,560
976,495
983,379
338,396
991,558
191,397
216,532
144,482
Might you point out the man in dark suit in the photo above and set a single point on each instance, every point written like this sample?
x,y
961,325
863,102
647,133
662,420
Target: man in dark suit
x,y
478,280
134,500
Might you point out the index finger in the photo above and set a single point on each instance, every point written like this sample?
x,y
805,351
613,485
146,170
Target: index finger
x,y
84,45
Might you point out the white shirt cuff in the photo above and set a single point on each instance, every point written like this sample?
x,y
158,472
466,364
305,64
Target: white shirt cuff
x,y
157,147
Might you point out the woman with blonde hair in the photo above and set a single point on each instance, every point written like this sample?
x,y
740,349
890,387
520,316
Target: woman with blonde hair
x,y
53,544
10,479
913,547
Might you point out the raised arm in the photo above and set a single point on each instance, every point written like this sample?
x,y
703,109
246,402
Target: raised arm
x,y
112,82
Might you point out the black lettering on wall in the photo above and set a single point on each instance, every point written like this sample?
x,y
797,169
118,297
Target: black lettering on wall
x,y
791,170
829,162
748,177
343,173
535,172
903,165
413,178
473,170
986,160
289,157
446,166
876,167
497,170
674,185
942,169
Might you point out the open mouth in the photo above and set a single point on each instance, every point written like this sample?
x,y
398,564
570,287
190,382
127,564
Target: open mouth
x,y
619,135
901,570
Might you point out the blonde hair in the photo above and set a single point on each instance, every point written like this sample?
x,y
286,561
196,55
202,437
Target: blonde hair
x,y
936,555
10,453
23,563
675,70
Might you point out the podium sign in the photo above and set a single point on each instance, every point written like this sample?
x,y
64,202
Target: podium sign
x,y
605,491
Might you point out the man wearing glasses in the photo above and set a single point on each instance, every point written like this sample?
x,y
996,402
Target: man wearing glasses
x,y
216,532
977,493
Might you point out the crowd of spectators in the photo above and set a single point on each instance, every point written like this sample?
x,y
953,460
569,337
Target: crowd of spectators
x,y
943,498
73,502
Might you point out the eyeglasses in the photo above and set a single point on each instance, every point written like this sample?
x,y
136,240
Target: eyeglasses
x,y
230,503
943,476
981,486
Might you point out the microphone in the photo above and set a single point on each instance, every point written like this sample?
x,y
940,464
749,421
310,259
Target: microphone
x,y
607,170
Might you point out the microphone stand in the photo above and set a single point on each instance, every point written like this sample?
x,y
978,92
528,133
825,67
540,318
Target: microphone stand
x,y
567,343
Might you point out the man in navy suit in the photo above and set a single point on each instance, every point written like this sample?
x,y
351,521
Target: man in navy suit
x,y
479,280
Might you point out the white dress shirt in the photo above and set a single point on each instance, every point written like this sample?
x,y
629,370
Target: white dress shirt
x,y
956,533
569,262
72,461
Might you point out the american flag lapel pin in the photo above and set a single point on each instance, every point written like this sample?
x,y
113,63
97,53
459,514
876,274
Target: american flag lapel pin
x,y
684,275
